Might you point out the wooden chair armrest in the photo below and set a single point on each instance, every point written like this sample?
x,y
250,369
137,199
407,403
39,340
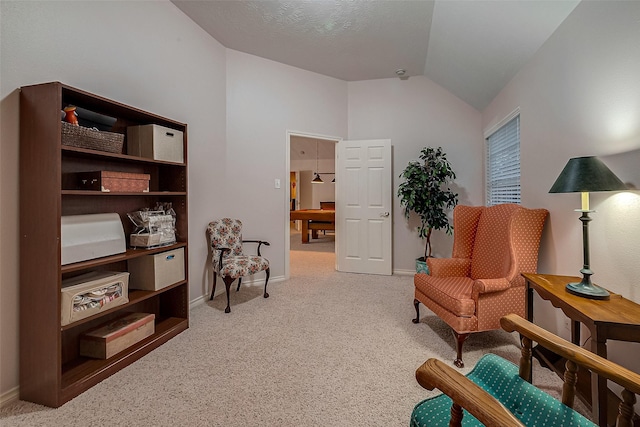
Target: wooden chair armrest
x,y
222,250
603,367
488,410
259,242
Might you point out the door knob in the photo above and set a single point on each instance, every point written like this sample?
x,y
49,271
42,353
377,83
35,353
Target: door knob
x,y
384,214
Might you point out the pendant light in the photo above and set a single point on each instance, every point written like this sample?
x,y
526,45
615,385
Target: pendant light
x,y
317,179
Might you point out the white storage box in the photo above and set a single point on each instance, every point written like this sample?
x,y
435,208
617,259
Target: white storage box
x,y
155,142
153,272
91,236
91,293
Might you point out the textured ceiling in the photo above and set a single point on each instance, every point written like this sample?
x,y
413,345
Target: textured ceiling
x,y
472,48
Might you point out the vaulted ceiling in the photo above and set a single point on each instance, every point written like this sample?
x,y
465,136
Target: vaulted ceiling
x,y
473,48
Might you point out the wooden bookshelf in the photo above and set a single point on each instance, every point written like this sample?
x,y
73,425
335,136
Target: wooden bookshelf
x,y
51,370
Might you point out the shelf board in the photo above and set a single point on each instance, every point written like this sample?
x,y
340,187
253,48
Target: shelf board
x,y
85,152
83,373
119,193
129,254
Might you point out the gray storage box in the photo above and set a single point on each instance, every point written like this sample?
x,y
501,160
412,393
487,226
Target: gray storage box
x,y
155,142
154,272
91,236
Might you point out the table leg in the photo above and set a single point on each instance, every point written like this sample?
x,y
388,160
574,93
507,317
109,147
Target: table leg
x,y
305,231
599,393
529,313
575,332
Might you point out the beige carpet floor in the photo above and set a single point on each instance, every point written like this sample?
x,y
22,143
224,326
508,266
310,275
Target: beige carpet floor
x,y
326,349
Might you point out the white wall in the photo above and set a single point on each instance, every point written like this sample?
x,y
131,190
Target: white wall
x,y
416,113
138,53
580,96
265,99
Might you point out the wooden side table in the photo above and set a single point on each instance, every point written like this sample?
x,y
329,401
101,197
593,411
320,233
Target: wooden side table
x,y
617,319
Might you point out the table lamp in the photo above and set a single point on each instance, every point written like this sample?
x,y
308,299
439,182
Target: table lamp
x,y
585,175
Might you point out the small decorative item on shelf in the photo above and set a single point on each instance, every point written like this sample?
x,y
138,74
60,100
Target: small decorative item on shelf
x,y
70,115
153,227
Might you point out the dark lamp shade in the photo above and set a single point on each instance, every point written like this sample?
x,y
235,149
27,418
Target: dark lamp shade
x,y
317,179
586,174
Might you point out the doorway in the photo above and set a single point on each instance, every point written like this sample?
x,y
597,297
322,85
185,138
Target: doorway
x,y
310,157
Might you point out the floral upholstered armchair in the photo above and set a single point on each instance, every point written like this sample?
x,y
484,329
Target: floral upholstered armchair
x,y
482,280
228,258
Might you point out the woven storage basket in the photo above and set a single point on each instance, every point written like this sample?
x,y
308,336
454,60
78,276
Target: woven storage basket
x,y
78,136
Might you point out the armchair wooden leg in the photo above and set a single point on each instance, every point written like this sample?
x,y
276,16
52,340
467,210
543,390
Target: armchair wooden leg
x,y
266,295
227,284
213,290
416,304
460,339
239,281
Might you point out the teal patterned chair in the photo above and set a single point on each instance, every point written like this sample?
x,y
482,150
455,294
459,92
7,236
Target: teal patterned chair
x,y
498,393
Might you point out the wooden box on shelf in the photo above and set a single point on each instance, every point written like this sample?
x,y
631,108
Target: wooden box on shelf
x,y
52,370
113,181
111,338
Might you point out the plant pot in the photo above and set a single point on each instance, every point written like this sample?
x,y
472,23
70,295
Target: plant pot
x,y
421,266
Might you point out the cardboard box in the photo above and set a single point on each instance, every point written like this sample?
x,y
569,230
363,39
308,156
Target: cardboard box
x,y
108,181
155,142
113,337
91,236
154,272
90,293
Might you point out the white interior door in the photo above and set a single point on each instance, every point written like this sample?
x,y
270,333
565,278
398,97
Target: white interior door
x,y
363,207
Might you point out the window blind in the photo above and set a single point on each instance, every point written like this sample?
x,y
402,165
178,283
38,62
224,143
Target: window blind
x,y
502,167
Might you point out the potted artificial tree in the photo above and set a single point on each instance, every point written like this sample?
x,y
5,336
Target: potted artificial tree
x,y
426,192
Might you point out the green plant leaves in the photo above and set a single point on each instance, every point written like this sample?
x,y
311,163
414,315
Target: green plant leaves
x,y
425,191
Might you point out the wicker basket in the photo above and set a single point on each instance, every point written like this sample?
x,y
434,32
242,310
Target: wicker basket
x,y
78,136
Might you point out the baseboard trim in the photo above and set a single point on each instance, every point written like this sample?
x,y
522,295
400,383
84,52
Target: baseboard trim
x,y
404,272
9,397
260,282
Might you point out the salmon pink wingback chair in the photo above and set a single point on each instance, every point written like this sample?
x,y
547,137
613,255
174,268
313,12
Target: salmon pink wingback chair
x,y
482,280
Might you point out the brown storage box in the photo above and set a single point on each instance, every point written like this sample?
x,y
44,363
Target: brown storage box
x,y
154,272
114,181
117,335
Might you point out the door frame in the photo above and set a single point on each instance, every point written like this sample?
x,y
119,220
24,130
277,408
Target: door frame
x,y
286,201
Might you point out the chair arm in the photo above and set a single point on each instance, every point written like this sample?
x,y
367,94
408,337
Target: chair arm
x,y
603,367
488,410
449,267
222,250
483,286
259,242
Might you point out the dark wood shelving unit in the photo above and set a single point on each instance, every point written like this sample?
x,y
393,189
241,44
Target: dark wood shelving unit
x,y
52,371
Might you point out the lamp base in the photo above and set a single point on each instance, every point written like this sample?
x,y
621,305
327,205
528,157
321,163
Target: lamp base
x,y
587,290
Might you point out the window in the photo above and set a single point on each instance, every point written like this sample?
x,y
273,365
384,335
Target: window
x,y
502,167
